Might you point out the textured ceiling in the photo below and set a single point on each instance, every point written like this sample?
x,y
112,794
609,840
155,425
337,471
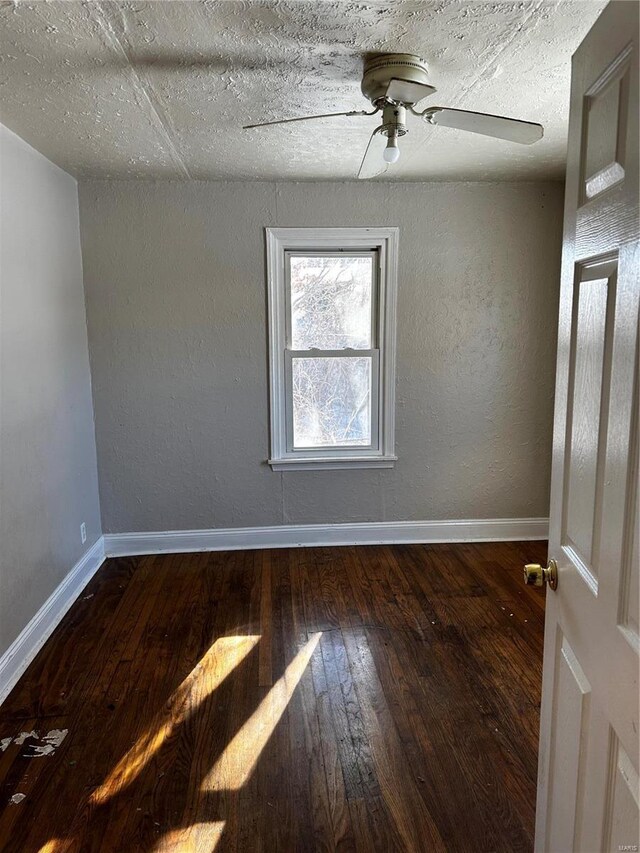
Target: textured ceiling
x,y
161,89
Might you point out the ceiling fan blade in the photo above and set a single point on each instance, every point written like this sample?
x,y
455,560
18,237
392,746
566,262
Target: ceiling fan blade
x,y
407,92
373,163
500,127
309,118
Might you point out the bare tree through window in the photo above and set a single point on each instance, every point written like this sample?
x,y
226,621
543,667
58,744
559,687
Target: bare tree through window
x,y
331,301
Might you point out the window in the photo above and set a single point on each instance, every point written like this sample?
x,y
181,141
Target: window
x,y
332,346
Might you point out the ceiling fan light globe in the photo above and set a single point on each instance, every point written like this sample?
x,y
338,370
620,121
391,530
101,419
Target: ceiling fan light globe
x,y
391,154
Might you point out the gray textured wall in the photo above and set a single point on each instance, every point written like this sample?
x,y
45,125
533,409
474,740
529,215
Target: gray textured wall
x,y
175,289
48,473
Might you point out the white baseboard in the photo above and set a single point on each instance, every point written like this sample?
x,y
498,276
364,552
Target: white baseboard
x,y
26,646
309,535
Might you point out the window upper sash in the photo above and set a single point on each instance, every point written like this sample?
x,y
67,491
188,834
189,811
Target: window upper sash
x,y
375,317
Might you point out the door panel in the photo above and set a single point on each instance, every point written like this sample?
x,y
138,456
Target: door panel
x,y
630,588
621,823
590,360
605,124
572,693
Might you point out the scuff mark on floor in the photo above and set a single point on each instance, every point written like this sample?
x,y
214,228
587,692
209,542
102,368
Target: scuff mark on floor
x,y
24,736
39,751
47,745
50,742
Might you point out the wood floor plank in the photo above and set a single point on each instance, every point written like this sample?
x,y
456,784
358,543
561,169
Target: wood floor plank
x,y
379,698
413,824
265,678
338,778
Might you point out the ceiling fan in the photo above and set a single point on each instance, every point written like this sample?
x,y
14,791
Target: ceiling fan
x,y
395,83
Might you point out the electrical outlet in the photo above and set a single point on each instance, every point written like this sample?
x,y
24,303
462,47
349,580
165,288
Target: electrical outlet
x,y
83,532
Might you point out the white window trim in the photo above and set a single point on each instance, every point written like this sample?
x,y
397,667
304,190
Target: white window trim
x,y
385,242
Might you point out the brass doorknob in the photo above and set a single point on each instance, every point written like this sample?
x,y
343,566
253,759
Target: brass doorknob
x,y
536,575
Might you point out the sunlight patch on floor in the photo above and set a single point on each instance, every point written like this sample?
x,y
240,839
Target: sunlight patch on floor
x,y
56,845
198,836
238,761
221,659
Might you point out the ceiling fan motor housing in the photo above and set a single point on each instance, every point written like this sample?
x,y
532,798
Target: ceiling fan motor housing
x,y
380,70
394,120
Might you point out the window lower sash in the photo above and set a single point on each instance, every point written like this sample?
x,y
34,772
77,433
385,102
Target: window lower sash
x,y
334,451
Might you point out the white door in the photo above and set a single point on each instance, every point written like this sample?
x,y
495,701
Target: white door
x,y
588,771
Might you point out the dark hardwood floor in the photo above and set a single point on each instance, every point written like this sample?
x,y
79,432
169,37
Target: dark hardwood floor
x,y
371,698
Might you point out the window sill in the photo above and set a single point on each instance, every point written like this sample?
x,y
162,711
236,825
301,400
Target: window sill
x,y
319,463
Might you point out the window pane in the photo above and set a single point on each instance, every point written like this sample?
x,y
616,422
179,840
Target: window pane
x,y
331,402
331,302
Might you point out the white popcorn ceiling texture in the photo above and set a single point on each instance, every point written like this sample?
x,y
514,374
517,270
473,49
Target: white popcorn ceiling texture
x,y
162,89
